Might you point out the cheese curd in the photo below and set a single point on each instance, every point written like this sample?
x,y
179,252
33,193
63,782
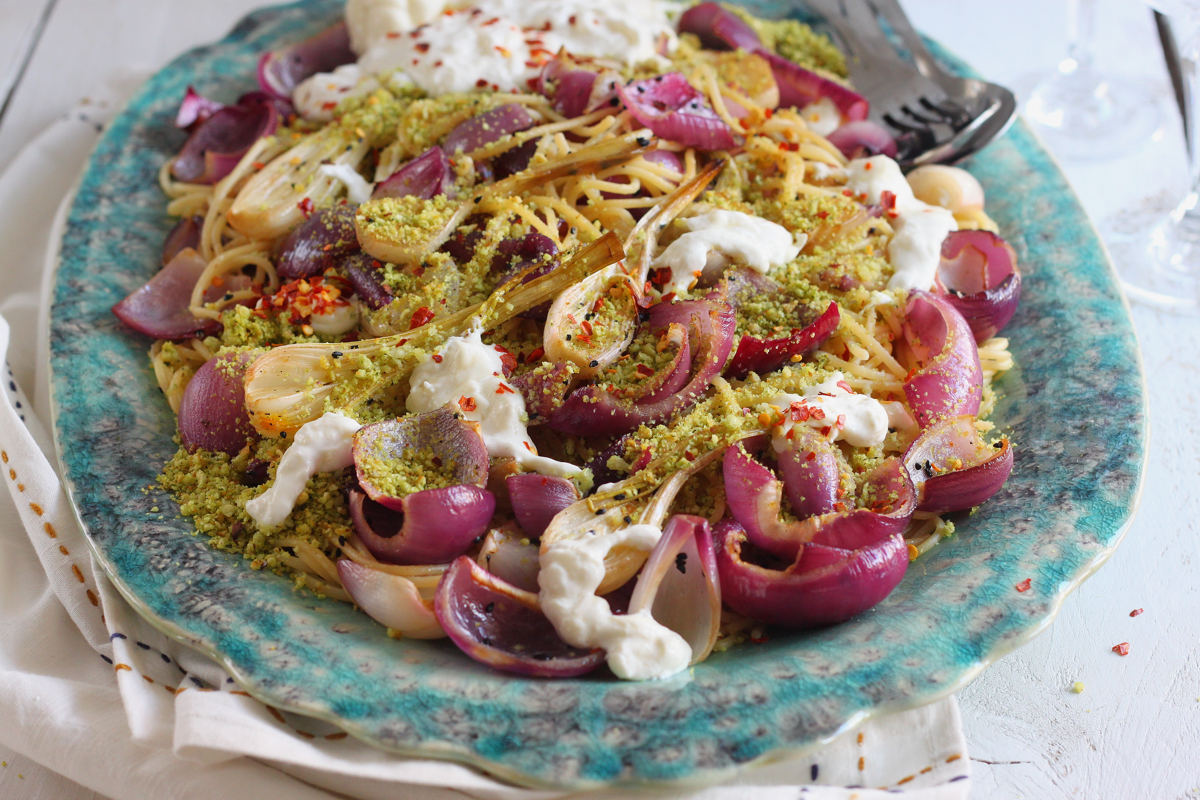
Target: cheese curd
x,y
637,646
857,419
466,368
718,237
322,445
916,247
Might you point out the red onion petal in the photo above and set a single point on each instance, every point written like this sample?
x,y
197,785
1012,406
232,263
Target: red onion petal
x,y
501,626
490,126
674,110
363,272
544,391
318,243
432,526
160,307
799,87
391,600
863,139
508,554
537,498
953,469
185,234
718,29
948,380
832,590
218,144
428,175
810,473
212,411
680,586
280,71
195,109
979,276
763,356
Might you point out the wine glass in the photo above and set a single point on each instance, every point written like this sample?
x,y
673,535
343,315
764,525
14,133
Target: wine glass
x,y
1165,269
1084,112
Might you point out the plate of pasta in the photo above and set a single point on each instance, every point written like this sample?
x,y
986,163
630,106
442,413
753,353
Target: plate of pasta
x,y
582,394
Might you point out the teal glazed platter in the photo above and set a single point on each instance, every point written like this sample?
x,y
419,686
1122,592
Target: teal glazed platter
x,y
1074,406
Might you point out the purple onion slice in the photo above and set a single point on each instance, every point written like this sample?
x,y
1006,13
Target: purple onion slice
x,y
537,498
799,87
755,498
426,176
432,526
508,554
763,356
718,28
194,110
863,139
363,272
160,307
674,110
680,585
824,586
318,243
280,71
953,469
544,390
185,234
810,473
212,411
502,626
947,379
490,126
218,144
568,86
978,275
391,600
591,411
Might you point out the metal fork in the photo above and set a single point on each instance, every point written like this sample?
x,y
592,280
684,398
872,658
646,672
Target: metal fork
x,y
938,117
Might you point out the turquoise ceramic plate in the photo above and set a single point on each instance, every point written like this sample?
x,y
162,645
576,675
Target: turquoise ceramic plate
x,y
1074,405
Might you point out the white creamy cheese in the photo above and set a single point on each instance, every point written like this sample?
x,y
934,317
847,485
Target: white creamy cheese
x,y
638,647
858,419
916,247
822,117
358,188
466,368
733,237
322,445
500,44
317,96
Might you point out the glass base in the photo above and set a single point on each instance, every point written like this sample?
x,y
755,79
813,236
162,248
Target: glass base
x,y
1084,114
1162,268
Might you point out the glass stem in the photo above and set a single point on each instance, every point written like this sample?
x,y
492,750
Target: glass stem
x,y
1081,25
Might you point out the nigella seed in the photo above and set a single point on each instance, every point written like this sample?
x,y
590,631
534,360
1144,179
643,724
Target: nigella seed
x,y
336,354
614,102
681,563
628,519
593,363
643,141
620,496
490,607
599,512
641,89
487,640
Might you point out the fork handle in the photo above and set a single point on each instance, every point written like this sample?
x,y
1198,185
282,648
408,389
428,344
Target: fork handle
x,y
891,11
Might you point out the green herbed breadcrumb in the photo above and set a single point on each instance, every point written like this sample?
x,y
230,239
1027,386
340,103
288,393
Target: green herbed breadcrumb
x,y
796,42
404,221
413,470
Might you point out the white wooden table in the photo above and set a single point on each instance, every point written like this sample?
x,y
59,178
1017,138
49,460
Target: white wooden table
x,y
1135,730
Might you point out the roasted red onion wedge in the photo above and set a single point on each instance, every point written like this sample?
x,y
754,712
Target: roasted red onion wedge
x,y
718,28
544,390
763,356
185,234
160,307
591,411
953,469
670,107
809,469
863,139
318,243
431,526
679,584
363,272
502,626
978,275
195,109
280,71
799,87
825,585
212,411
218,144
391,600
568,86
537,498
508,554
755,498
947,379
488,127
426,176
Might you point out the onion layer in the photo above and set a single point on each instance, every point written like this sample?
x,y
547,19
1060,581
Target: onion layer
x,y
391,600
537,498
426,176
947,379
219,142
160,307
863,139
488,127
674,110
280,71
763,356
432,526
953,469
502,626
212,411
978,275
318,243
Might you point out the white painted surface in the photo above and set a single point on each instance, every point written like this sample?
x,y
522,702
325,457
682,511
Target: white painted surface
x,y
1135,730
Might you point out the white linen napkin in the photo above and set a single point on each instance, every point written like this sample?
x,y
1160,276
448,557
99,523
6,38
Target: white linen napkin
x,y
98,695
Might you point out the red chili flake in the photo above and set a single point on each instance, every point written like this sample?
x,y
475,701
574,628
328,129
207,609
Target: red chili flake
x,y
811,456
572,20
841,422
662,276
597,305
669,297
790,434
887,199
504,51
868,165
761,639
846,386
491,21
791,147
1136,611
418,271
848,193
481,83
689,456
644,370
1023,586
422,316
536,355
822,214
506,358
437,461
839,506
583,337
817,413
466,403
587,327
529,447
572,320
437,358
258,165
504,388
400,343
306,207
422,47
1121,649
393,34
910,374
